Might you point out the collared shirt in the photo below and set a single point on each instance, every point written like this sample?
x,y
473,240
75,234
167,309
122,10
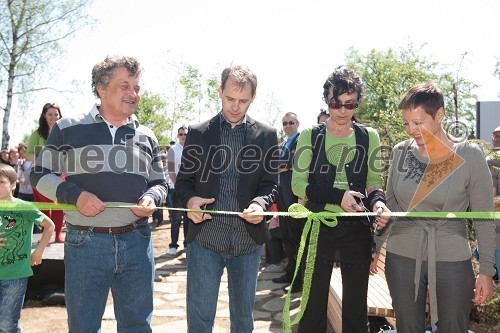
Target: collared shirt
x,y
112,128
227,233
118,170
174,155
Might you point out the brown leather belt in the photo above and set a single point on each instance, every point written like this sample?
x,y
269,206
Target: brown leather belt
x,y
141,223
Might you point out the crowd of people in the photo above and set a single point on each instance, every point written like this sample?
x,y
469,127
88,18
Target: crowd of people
x,y
234,163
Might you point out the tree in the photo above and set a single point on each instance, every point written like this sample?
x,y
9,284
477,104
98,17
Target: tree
x,y
30,33
192,97
212,102
389,74
272,114
190,81
497,71
151,113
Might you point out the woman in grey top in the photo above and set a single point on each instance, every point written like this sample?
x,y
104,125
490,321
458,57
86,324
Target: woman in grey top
x,y
431,173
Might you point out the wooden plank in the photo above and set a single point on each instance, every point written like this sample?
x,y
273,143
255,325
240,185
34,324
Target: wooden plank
x,y
379,300
334,312
54,251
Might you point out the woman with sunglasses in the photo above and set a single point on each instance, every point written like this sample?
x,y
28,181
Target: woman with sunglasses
x,y
434,172
332,173
51,113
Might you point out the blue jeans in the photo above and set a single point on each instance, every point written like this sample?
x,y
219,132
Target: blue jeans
x,y
11,302
204,271
98,262
175,219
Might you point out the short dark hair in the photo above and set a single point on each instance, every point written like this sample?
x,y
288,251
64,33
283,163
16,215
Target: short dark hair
x,y
8,172
342,80
182,128
103,71
239,75
427,95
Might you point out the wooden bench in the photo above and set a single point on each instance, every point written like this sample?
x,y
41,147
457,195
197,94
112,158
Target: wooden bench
x,y
379,299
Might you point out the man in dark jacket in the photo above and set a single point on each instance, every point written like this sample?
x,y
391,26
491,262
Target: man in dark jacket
x,y
227,165
291,229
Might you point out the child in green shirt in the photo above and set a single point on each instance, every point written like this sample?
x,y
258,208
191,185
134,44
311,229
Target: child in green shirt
x,y
16,259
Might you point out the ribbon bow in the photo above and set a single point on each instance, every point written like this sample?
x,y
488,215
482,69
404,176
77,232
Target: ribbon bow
x,y
312,224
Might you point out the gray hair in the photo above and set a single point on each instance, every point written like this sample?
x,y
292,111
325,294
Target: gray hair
x,y
103,71
291,114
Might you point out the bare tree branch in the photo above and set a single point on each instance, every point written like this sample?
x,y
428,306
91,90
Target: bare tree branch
x,y
30,32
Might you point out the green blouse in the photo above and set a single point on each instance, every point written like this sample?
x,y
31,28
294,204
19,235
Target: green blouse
x,y
338,152
35,144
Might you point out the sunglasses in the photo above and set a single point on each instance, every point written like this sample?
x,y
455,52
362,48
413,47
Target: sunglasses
x,y
181,134
291,122
348,106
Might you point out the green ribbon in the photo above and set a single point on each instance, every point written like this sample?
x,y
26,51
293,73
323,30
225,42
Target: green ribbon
x,y
312,224
295,212
311,228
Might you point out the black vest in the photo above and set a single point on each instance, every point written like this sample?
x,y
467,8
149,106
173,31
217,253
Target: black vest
x,y
351,240
322,172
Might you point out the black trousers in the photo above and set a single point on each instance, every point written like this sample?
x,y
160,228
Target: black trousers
x,y
274,247
291,231
354,293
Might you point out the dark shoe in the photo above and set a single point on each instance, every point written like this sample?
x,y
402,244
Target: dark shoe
x,y
282,279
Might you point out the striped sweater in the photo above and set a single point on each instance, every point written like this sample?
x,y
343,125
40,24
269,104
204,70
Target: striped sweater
x,y
119,171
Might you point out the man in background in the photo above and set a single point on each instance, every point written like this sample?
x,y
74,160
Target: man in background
x,y
173,164
291,228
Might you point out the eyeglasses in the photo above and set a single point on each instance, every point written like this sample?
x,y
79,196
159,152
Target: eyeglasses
x,y
348,106
181,134
291,122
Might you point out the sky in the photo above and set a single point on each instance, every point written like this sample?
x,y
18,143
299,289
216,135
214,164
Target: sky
x,y
292,46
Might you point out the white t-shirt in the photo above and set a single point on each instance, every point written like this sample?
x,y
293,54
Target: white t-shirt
x,y
174,156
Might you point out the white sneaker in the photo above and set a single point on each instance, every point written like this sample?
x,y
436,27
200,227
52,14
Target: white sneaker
x,y
172,251
273,268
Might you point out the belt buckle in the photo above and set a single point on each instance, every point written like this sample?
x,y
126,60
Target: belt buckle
x,y
110,231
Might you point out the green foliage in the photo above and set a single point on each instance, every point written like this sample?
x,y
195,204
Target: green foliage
x,y
389,74
212,102
465,104
193,97
190,81
151,113
489,312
